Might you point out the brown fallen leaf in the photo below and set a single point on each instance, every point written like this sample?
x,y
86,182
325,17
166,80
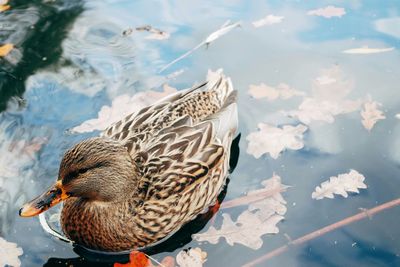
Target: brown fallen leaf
x,y
4,6
5,49
9,253
274,140
371,114
259,219
140,259
340,185
282,91
156,34
122,106
136,259
193,257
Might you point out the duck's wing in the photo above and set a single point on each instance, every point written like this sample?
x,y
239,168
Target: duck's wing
x,y
186,156
199,102
133,123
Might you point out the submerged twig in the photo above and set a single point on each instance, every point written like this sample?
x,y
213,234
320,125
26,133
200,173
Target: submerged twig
x,y
325,230
252,197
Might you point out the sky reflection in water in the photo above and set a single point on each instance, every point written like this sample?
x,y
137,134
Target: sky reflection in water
x,y
98,64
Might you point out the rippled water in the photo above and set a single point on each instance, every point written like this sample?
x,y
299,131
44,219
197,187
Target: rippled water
x,y
71,58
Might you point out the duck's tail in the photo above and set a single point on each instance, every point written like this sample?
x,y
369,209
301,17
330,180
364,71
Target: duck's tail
x,y
226,118
222,86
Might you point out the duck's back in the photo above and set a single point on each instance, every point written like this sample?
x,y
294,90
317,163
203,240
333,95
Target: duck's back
x,y
181,148
198,102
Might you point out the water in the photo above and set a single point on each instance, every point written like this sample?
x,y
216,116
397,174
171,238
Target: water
x,y
71,59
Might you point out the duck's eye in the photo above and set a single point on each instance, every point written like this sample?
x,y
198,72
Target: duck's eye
x,y
83,170
74,174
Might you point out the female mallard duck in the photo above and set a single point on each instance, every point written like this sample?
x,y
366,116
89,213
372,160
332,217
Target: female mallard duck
x,y
147,174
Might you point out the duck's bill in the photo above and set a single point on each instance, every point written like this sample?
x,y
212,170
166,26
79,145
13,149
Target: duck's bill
x,y
51,197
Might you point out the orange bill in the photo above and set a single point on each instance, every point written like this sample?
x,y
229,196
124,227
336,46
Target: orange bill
x,y
51,197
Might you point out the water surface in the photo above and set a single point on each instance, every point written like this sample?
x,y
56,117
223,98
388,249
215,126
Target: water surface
x,y
71,58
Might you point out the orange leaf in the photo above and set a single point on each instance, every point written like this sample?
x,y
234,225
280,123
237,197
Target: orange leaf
x,y
4,8
136,259
5,49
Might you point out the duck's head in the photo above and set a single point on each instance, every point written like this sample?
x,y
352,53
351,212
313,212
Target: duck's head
x,y
96,169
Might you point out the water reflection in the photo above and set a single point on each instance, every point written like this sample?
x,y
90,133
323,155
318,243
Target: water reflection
x,y
71,59
37,41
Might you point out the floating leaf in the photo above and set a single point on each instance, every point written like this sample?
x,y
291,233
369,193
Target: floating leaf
x,y
9,253
268,20
371,114
4,7
282,91
139,259
367,50
136,259
340,185
193,257
156,34
328,12
312,109
260,219
5,49
274,140
328,98
325,79
275,204
122,106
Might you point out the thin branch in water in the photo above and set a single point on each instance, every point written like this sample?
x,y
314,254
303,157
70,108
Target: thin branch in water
x,y
359,216
252,197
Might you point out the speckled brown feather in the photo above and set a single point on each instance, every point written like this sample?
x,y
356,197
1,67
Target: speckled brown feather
x,y
180,162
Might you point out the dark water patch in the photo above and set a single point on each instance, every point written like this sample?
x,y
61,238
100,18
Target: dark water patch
x,y
37,31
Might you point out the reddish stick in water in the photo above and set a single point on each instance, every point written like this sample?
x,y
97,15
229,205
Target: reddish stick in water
x,y
362,215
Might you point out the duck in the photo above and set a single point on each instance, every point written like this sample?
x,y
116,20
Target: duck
x,y
148,174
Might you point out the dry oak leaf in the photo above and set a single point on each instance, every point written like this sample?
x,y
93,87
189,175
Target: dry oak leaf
x,y
328,12
122,106
4,6
329,92
260,219
282,91
136,259
340,185
193,257
268,20
367,50
9,253
5,49
371,114
274,140
139,259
